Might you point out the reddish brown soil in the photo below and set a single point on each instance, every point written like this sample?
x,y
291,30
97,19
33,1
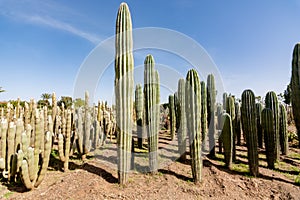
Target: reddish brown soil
x,y
95,180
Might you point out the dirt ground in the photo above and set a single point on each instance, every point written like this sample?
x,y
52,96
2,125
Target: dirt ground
x,y
98,180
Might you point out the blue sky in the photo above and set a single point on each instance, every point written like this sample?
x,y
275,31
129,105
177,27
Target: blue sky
x,y
44,43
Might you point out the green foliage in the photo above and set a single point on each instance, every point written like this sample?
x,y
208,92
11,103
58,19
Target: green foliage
x,y
78,102
67,101
287,94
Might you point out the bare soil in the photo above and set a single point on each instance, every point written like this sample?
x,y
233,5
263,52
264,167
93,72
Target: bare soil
x,y
93,179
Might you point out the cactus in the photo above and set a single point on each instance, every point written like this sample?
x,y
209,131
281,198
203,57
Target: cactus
x,y
87,127
219,114
269,136
237,123
227,139
124,84
64,140
32,173
193,117
260,136
151,100
272,103
284,144
172,116
211,103
295,87
230,109
139,113
3,129
248,112
203,114
225,95
182,129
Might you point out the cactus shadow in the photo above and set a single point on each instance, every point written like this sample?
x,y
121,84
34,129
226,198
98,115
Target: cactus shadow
x,y
179,176
100,172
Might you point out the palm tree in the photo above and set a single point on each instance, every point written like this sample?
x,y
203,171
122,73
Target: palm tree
x,y
46,96
1,90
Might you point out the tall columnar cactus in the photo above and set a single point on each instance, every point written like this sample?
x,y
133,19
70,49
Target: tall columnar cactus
x,y
249,126
193,117
211,104
271,102
284,144
260,136
227,138
225,95
219,114
237,123
182,129
64,140
3,129
295,87
87,126
203,114
124,87
54,107
267,122
151,100
230,109
172,116
139,109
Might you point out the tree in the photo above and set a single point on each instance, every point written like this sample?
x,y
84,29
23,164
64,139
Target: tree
x,y
287,94
1,90
67,101
45,99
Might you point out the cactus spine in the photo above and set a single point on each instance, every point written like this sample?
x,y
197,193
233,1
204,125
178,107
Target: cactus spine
x,y
172,116
249,126
124,90
269,134
295,87
203,114
260,136
227,138
182,129
151,100
193,117
272,103
139,113
283,130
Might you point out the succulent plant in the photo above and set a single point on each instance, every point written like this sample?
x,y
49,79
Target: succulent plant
x,y
124,88
227,139
237,123
260,136
249,126
193,117
151,100
295,87
211,104
267,122
172,116
271,102
203,114
182,129
139,109
230,109
284,144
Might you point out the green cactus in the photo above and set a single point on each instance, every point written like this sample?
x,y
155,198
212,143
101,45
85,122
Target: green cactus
x,y
219,114
172,116
151,101
124,84
33,169
225,95
267,123
227,139
248,112
87,128
64,140
203,114
237,123
182,129
193,117
211,104
3,129
260,136
139,109
230,109
271,102
284,144
295,87
11,134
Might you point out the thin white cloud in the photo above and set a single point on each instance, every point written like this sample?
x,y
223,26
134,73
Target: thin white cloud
x,y
62,26
45,13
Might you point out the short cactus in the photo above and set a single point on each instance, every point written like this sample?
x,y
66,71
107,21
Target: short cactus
x,y
260,136
139,113
227,138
